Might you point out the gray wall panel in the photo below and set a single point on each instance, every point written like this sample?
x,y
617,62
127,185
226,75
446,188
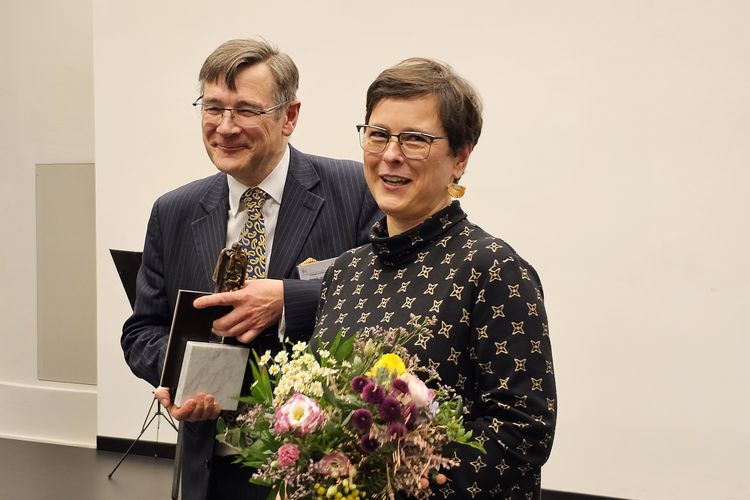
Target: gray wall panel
x,y
66,273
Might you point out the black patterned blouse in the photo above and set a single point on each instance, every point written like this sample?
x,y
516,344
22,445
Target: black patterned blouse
x,y
491,341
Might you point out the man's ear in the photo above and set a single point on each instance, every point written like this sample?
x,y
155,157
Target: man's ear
x,y
291,117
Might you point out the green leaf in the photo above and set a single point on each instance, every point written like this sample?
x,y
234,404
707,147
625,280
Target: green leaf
x,y
261,389
335,401
335,344
221,426
345,350
272,494
256,454
477,446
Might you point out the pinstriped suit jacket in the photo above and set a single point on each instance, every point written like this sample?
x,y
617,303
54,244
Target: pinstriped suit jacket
x,y
326,209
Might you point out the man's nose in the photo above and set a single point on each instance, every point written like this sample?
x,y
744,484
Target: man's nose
x,y
226,122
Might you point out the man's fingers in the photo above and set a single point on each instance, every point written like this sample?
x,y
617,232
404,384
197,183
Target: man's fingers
x,y
204,408
210,408
201,407
216,299
229,322
161,394
178,412
183,412
234,325
243,333
248,336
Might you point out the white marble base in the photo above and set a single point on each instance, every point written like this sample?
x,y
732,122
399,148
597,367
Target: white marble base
x,y
215,369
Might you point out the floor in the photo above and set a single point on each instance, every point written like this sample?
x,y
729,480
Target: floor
x,y
38,471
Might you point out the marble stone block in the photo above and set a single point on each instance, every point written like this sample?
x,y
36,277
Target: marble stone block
x,y
216,369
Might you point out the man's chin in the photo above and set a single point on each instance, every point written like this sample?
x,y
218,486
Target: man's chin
x,y
229,169
228,163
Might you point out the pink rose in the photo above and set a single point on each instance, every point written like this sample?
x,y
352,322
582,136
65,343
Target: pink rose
x,y
288,454
336,464
300,414
420,394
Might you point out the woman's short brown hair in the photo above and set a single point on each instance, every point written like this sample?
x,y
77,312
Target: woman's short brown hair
x,y
233,56
459,106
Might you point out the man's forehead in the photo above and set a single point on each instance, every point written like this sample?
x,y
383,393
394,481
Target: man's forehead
x,y
232,78
251,84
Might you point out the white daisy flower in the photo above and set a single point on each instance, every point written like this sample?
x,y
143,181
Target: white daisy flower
x,y
265,358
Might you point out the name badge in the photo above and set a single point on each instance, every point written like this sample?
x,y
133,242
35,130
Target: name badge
x,y
314,270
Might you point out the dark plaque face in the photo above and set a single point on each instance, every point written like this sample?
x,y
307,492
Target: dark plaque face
x,y
231,269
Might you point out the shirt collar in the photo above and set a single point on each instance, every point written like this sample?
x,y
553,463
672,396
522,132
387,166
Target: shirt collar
x,y
273,184
405,247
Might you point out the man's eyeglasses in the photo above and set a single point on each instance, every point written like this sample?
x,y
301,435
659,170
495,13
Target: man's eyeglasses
x,y
414,145
242,117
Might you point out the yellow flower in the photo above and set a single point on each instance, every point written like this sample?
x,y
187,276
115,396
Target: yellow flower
x,y
390,362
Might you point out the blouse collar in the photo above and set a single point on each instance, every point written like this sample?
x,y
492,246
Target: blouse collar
x,y
404,247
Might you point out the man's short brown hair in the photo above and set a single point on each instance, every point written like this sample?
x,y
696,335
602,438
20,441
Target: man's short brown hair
x,y
235,55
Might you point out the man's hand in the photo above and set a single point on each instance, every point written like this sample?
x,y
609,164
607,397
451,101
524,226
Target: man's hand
x,y
257,305
202,407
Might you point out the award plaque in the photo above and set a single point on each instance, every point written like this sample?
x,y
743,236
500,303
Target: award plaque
x,y
192,350
230,270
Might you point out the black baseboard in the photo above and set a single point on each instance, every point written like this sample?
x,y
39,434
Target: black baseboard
x,y
566,495
166,450
145,448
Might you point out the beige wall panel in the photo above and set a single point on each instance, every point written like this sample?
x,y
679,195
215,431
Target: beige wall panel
x,y
66,273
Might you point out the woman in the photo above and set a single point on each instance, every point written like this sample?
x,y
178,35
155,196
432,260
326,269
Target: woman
x,y
490,341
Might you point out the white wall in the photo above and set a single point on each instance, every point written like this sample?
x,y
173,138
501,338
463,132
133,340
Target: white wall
x,y
47,117
614,158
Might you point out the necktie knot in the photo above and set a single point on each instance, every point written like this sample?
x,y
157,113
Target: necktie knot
x,y
254,198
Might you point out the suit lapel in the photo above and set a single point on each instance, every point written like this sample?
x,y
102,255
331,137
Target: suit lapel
x,y
299,209
210,229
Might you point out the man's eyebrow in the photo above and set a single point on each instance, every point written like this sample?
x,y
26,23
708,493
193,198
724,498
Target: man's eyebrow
x,y
238,104
249,104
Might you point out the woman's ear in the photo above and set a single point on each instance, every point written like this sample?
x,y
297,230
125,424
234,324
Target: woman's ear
x,y
462,159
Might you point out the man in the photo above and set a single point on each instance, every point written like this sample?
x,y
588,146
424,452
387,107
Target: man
x,y
312,207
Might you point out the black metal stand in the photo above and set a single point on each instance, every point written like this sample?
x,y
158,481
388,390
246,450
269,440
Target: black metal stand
x,y
177,465
146,423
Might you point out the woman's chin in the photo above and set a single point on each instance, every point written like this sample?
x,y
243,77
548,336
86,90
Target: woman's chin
x,y
390,204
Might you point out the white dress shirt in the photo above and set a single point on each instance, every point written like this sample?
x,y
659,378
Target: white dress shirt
x,y
273,184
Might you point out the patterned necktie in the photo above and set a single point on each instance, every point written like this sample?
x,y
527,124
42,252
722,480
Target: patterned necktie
x,y
253,236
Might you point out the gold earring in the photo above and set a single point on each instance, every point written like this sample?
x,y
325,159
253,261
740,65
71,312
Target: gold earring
x,y
456,190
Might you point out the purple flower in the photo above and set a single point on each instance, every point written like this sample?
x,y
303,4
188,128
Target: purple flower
x,y
411,415
400,385
359,382
395,430
368,443
372,393
390,409
362,419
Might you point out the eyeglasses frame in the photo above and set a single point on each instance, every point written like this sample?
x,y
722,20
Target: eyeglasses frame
x,y
430,137
257,112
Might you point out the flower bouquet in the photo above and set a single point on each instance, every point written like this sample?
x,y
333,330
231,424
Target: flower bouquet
x,y
352,420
